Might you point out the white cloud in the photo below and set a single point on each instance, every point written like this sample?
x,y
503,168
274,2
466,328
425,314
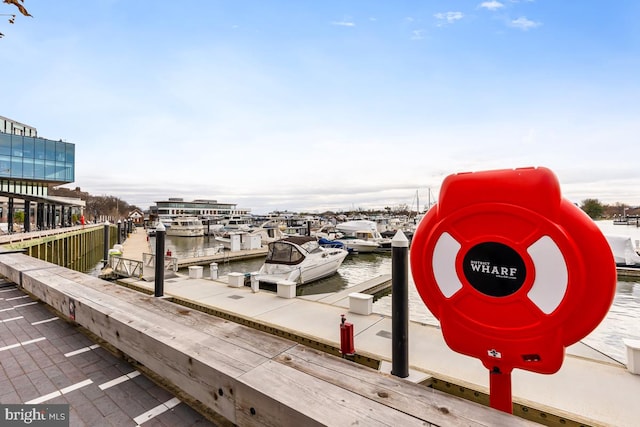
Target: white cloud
x,y
524,24
417,35
343,23
491,5
448,17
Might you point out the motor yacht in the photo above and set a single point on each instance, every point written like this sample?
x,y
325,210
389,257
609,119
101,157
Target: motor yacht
x,y
188,226
299,259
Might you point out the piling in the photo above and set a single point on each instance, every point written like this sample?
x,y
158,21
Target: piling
x,y
400,305
106,243
159,265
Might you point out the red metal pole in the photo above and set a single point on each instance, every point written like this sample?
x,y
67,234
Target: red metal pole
x,y
500,390
347,347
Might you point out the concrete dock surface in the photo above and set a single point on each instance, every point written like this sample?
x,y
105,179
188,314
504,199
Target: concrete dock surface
x,y
589,387
231,370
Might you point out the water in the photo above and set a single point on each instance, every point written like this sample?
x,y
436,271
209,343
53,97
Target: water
x,y
622,320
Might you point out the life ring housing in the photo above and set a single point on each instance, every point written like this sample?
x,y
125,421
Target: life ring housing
x,y
514,272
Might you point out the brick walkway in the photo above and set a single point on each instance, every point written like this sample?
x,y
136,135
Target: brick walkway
x,y
44,359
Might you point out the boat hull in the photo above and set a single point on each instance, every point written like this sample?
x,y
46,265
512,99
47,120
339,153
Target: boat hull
x,y
303,274
184,233
360,247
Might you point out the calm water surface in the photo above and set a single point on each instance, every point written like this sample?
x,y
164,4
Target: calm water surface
x,y
622,321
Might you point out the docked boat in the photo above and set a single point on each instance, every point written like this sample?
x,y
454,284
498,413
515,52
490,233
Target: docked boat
x,y
623,251
353,242
358,245
299,259
237,222
364,230
188,226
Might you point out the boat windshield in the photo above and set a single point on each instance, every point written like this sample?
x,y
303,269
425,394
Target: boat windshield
x,y
283,253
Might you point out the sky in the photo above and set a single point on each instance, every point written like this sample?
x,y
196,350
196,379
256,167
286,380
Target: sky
x,y
328,105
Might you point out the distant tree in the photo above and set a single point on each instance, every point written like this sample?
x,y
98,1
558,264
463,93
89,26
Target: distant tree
x,y
593,208
108,206
96,206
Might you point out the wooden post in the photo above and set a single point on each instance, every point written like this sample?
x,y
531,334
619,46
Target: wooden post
x,y
106,243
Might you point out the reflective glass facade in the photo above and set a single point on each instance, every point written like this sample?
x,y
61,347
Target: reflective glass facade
x,y
26,158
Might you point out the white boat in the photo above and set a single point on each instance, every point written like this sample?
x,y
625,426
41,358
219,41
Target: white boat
x,y
623,252
364,230
237,222
188,226
269,232
361,246
299,259
166,220
353,243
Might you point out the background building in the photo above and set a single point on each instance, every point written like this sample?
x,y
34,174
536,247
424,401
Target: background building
x,y
28,165
174,207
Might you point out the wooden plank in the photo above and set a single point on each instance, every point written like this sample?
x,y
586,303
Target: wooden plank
x,y
266,345
200,364
419,401
227,356
13,264
274,394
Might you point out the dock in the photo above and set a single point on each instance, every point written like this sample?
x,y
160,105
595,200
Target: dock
x,y
586,389
222,257
628,273
137,244
239,373
259,359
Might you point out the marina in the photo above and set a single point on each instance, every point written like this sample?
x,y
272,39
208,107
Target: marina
x,y
602,354
622,321
235,363
243,237
603,346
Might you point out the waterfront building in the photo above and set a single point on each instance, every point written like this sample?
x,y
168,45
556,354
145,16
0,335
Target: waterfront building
x,y
174,207
29,164
136,216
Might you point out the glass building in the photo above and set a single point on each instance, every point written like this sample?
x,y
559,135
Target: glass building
x,y
167,210
28,165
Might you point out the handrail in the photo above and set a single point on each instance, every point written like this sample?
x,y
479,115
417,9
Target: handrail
x,y
125,267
